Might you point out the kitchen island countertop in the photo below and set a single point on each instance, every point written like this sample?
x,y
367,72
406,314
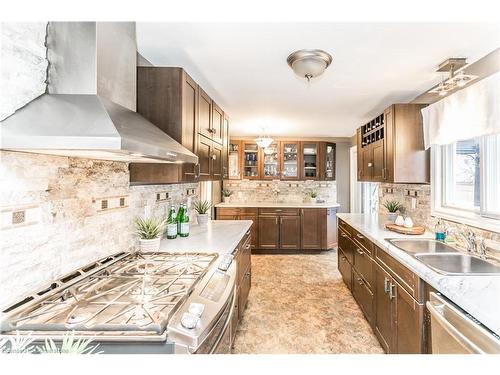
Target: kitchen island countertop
x,y
279,205
218,236
478,295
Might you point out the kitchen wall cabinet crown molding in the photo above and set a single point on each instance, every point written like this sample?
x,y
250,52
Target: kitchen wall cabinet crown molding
x,y
390,148
173,101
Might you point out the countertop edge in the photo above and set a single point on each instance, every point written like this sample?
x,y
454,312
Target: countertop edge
x,y
277,205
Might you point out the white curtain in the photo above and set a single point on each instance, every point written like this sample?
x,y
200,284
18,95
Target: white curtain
x,y
468,113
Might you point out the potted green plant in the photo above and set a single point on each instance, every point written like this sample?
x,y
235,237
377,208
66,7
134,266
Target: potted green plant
x,y
201,208
392,207
312,196
149,231
225,195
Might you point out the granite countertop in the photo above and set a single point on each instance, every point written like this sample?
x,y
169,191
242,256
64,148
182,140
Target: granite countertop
x,y
276,204
218,236
478,295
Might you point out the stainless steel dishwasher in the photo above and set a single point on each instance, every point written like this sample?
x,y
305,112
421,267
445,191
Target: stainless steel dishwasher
x,y
455,332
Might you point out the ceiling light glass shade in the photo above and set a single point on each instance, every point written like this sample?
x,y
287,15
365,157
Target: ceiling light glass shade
x,y
263,142
309,63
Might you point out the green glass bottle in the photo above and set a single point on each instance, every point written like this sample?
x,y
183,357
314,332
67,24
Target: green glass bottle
x,y
180,215
171,230
184,231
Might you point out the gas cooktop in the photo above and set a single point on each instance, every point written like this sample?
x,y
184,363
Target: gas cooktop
x,y
130,292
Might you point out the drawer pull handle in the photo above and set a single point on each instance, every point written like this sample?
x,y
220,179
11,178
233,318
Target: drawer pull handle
x,y
360,281
247,233
247,246
360,236
391,291
343,257
386,284
343,235
247,274
359,251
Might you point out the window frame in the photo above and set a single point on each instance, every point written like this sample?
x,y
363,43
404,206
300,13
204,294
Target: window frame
x,y
473,217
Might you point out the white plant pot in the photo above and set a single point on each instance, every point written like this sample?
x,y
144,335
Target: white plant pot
x,y
400,221
202,219
148,246
391,216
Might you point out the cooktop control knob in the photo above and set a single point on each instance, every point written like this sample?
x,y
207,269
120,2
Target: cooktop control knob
x,y
225,262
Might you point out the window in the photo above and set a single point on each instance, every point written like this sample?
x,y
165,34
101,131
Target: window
x,y
466,181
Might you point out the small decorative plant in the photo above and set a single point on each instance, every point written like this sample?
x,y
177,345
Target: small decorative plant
x,y
313,194
201,208
392,206
226,193
149,231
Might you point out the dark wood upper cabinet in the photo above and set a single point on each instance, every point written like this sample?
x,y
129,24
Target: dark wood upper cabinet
x,y
217,129
290,232
310,160
204,114
312,228
270,165
326,161
290,159
204,158
250,160
269,232
225,148
391,147
217,161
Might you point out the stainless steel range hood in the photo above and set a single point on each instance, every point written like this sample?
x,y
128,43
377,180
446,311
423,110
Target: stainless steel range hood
x,y
88,110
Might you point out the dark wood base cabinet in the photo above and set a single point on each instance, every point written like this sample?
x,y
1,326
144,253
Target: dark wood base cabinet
x,y
289,229
390,296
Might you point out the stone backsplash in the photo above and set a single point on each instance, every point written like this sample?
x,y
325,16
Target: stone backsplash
x,y
60,213
421,214
279,191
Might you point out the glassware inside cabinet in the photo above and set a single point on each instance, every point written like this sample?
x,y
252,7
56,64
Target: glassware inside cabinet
x,y
290,160
250,160
271,163
310,162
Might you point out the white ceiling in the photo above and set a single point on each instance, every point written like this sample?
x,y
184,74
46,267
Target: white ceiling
x,y
243,67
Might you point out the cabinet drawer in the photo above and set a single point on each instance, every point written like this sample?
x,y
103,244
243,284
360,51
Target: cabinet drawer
x,y
279,211
223,211
244,289
407,279
248,211
244,259
363,241
363,296
347,246
363,264
345,227
345,269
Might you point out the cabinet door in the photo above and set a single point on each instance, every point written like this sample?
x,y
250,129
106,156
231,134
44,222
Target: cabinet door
x,y
310,160
312,224
216,159
270,166
409,322
234,163
363,296
204,158
268,232
331,228
254,229
250,160
189,113
204,114
217,123
290,232
225,148
327,161
345,269
378,163
290,161
244,289
366,163
384,312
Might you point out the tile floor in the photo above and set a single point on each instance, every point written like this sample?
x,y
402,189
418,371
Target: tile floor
x,y
299,304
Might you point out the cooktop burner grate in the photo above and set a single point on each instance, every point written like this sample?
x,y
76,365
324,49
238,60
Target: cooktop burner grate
x,y
139,292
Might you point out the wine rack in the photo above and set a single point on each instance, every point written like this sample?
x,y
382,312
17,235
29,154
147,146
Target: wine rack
x,y
373,131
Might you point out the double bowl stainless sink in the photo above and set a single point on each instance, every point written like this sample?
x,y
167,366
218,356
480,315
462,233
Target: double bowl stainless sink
x,y
445,259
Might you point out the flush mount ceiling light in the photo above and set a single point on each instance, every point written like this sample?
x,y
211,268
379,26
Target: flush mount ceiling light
x,y
455,67
309,63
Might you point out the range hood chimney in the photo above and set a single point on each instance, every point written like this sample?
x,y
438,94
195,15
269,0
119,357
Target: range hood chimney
x,y
89,106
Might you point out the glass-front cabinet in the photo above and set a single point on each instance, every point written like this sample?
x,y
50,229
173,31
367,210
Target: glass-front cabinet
x,y
327,161
250,162
234,160
290,160
271,162
309,160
